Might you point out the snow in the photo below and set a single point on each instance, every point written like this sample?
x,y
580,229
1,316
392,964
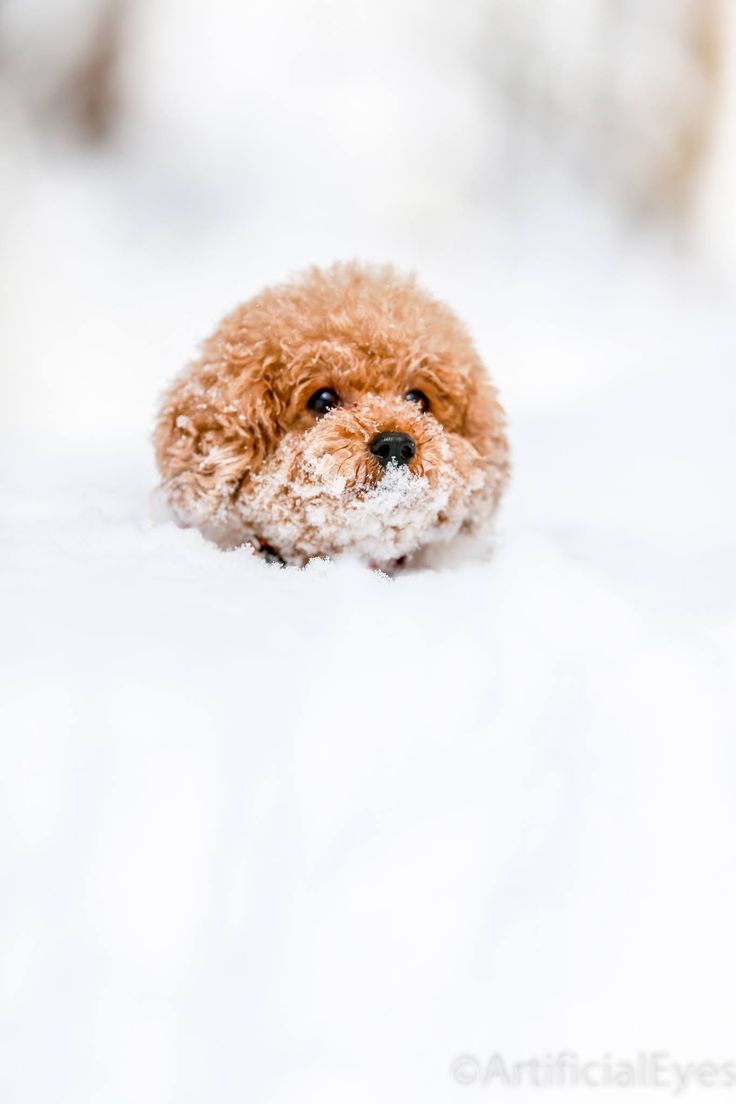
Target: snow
x,y
290,835
283,834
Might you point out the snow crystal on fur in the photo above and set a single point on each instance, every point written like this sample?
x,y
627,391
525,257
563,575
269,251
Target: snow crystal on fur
x,y
382,521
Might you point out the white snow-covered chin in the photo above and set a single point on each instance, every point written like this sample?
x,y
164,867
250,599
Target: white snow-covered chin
x,y
391,518
313,512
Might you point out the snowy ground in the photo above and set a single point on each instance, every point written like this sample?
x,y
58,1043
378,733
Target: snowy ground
x,y
283,837
308,835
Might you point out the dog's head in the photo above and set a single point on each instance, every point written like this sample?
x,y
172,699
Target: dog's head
x,y
344,411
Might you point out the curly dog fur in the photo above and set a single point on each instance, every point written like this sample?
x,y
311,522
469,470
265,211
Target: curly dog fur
x,y
245,459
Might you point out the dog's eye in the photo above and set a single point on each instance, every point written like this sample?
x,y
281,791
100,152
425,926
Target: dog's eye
x,y
418,397
323,400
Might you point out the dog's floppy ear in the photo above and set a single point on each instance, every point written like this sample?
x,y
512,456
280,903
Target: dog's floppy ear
x,y
217,424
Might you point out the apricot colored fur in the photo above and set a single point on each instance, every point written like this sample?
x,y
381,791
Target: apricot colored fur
x,y
242,457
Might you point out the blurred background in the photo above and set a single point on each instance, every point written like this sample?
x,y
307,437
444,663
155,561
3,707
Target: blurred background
x,y
555,170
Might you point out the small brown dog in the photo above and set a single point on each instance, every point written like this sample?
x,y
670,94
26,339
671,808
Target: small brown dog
x,y
344,412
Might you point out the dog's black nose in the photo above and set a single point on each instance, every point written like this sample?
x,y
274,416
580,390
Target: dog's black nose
x,y
396,448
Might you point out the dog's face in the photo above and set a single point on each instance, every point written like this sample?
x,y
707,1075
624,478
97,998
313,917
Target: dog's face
x,y
345,412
